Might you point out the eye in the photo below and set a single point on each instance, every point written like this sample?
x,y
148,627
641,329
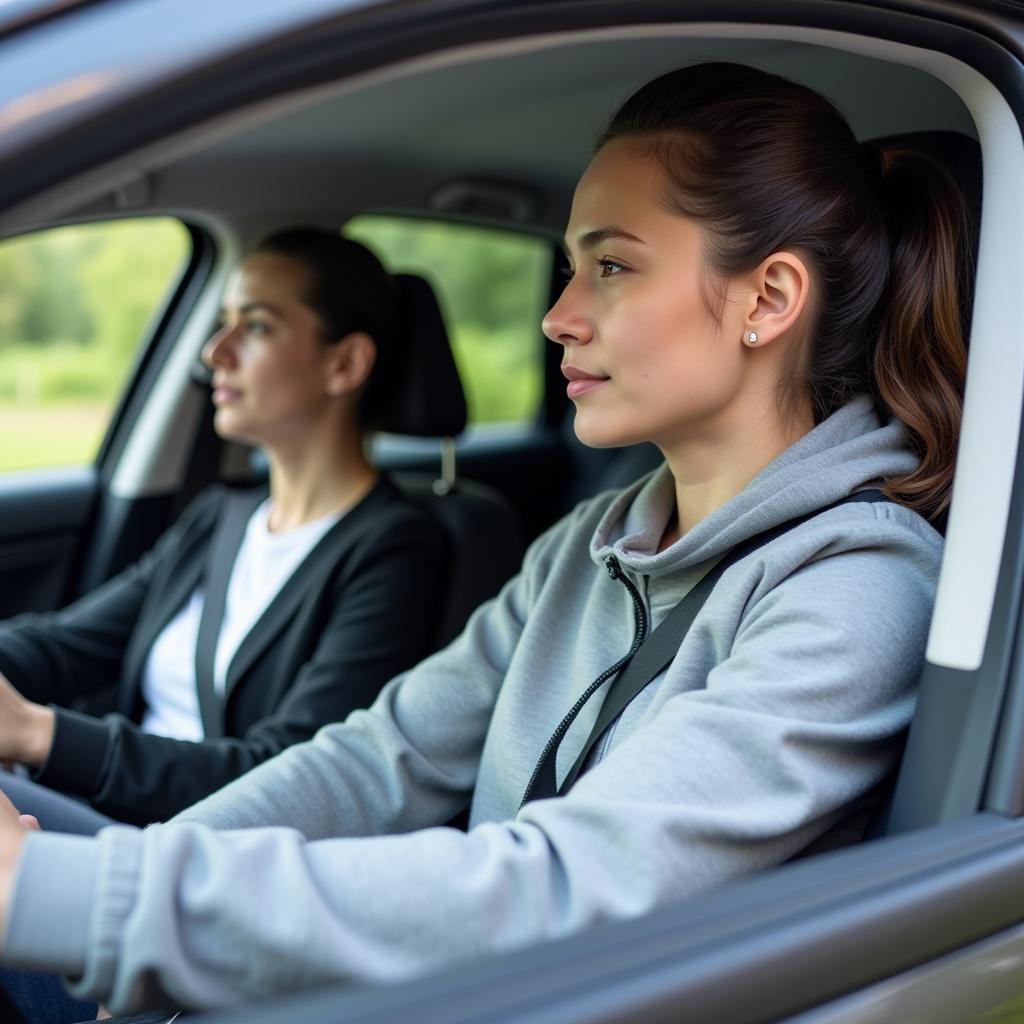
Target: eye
x,y
257,327
609,267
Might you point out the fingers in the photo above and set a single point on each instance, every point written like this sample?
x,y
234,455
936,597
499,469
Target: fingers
x,y
30,822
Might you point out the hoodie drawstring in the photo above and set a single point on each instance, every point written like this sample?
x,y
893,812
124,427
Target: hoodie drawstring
x,y
542,782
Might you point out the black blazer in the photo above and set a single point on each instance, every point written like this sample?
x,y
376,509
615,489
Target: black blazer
x,y
357,611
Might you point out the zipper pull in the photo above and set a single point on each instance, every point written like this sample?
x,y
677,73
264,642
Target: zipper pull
x,y
612,564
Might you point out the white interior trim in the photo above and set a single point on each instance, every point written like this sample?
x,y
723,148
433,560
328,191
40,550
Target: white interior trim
x,y
175,404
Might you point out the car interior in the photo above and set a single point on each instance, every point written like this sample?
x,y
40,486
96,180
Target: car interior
x,y
490,136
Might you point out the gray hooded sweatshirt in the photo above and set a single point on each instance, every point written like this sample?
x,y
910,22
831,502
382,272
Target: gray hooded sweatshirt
x,y
784,705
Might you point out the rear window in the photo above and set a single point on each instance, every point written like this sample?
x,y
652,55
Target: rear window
x,y
75,304
493,287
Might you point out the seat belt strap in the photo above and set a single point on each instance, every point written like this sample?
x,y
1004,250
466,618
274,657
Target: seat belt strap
x,y
661,646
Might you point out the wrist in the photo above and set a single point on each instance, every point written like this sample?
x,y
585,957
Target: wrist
x,y
36,735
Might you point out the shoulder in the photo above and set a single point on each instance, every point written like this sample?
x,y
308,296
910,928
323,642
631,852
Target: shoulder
x,y
892,531
868,567
391,509
385,523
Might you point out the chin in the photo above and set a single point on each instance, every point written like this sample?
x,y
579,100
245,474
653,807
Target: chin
x,y
228,428
596,431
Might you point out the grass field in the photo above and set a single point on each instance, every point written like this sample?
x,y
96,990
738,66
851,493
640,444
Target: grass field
x,y
51,435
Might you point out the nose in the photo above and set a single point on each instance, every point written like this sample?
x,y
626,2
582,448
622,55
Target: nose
x,y
218,350
565,322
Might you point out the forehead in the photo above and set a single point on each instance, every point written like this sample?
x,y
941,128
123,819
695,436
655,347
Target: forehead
x,y
266,277
623,183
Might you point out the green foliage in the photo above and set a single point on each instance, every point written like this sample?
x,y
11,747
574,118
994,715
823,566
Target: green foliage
x,y
74,305
492,286
1010,1012
93,285
54,435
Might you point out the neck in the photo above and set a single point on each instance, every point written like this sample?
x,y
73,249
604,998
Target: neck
x,y
711,469
315,479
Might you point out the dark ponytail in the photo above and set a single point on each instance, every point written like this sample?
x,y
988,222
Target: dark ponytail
x,y
921,359
765,164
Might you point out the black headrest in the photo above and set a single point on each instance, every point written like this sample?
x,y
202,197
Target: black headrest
x,y
427,399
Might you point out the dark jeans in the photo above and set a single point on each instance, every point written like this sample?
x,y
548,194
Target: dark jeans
x,y
41,998
55,811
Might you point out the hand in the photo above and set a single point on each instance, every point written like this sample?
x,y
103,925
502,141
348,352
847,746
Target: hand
x,y
26,729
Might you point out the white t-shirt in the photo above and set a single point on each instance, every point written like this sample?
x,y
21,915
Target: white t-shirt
x,y
265,562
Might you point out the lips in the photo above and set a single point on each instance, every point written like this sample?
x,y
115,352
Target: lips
x,y
222,394
580,382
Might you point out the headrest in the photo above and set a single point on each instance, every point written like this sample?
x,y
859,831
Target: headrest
x,y
427,399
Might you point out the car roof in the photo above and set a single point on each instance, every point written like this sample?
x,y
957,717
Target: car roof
x,y
521,117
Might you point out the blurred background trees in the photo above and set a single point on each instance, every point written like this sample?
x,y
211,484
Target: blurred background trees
x,y
76,303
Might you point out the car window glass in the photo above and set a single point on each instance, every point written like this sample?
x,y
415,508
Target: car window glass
x,y
492,286
75,303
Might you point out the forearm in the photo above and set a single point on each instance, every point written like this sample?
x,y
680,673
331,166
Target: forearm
x,y
152,929
365,776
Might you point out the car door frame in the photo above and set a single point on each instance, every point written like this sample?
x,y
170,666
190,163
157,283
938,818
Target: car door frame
x,y
869,912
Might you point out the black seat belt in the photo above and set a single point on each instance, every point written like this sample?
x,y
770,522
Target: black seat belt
x,y
658,649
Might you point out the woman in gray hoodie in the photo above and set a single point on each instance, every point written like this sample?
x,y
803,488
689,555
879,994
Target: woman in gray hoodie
x,y
781,310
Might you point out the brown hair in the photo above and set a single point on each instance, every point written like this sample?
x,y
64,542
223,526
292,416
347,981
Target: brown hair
x,y
766,165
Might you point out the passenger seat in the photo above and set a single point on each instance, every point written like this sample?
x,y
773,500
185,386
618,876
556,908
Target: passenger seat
x,y
487,540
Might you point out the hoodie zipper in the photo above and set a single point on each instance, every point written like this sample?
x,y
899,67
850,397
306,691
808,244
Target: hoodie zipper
x,y
639,633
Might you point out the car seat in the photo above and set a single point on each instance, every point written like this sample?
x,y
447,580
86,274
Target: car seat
x,y
486,537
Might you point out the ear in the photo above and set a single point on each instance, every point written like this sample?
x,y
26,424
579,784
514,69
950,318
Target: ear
x,y
779,292
350,363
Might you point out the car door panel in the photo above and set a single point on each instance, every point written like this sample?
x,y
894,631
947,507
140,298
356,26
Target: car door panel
x,y
44,517
758,950
981,982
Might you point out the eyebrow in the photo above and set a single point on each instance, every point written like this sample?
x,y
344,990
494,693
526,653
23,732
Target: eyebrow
x,y
592,239
252,307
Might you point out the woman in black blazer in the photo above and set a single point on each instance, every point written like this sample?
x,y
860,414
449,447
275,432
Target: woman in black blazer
x,y
255,619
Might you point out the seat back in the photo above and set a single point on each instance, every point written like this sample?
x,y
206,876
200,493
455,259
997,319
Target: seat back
x,y
485,535
487,544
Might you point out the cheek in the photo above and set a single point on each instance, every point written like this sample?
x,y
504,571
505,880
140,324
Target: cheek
x,y
669,336
271,364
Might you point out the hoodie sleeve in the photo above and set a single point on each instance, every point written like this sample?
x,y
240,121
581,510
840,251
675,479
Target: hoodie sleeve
x,y
801,717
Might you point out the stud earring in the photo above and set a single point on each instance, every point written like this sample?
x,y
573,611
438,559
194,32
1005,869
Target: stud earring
x,y
750,337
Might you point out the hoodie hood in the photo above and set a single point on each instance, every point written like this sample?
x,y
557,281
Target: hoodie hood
x,y
844,453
